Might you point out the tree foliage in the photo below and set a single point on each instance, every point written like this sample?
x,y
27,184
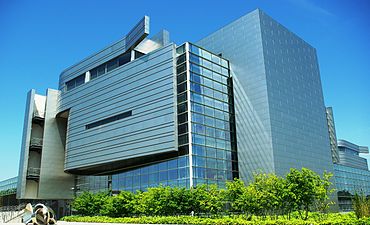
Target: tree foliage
x,y
266,195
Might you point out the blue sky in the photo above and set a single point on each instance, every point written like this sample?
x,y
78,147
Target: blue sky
x,y
38,39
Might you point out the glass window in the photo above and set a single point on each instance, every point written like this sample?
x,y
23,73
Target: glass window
x,y
181,59
181,87
124,58
153,178
206,55
172,174
180,49
221,175
101,69
211,173
219,114
209,121
162,166
144,179
182,129
199,161
211,152
183,161
183,172
80,80
216,59
197,108
221,154
195,68
181,97
217,77
196,98
195,49
218,95
216,68
207,73
112,64
195,87
181,78
220,143
195,59
209,111
198,150
210,141
163,176
208,91
196,78
207,82
225,71
224,63
93,73
172,164
181,68
218,104
199,172
199,139
217,86
183,139
210,131
197,118
182,118
220,134
208,101
220,124
183,107
198,128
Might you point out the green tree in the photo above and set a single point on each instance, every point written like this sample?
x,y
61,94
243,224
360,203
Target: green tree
x,y
361,205
118,205
207,199
89,204
307,188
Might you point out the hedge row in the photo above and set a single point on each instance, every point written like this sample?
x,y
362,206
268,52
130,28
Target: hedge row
x,y
334,219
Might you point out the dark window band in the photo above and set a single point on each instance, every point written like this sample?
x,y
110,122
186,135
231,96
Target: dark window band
x,y
109,119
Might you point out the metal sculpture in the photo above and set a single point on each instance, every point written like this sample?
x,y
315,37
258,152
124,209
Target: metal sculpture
x,y
38,215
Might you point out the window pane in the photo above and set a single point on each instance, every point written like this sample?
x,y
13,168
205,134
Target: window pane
x,y
112,64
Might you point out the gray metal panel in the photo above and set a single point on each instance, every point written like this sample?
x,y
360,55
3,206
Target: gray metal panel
x,y
54,183
241,43
146,86
138,33
279,109
297,112
23,162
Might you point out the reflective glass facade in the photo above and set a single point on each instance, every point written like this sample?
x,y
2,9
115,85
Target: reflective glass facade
x,y
348,181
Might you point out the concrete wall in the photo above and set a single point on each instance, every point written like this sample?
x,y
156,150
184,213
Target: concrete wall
x,y
54,183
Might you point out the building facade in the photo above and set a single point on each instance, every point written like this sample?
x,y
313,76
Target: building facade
x,y
351,173
145,111
279,106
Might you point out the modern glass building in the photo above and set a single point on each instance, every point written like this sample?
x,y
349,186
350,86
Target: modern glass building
x,y
145,111
351,172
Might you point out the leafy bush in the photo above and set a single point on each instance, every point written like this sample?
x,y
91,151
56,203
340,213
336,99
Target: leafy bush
x,y
361,205
118,205
267,195
89,204
334,219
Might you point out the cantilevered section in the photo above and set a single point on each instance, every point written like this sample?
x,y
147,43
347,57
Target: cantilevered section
x,y
121,104
349,154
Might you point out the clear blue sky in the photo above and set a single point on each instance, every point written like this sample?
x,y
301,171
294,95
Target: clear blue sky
x,y
38,39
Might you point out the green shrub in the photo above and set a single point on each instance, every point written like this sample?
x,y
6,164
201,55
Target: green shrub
x,y
333,219
361,205
89,204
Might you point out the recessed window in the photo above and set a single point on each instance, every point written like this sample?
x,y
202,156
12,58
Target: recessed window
x,y
109,119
